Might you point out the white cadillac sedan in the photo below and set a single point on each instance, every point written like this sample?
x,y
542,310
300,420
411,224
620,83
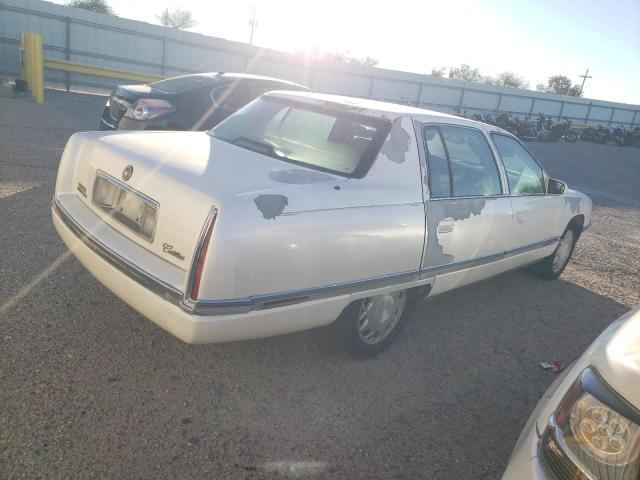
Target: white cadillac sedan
x,y
302,208
587,424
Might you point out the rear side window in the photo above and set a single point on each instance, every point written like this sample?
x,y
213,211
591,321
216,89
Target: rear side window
x,y
439,180
322,138
524,174
462,156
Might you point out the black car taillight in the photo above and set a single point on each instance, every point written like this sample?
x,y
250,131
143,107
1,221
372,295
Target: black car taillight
x,y
149,108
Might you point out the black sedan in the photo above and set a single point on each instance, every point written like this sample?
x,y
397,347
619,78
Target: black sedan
x,y
190,102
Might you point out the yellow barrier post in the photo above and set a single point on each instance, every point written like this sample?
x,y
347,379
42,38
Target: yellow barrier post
x,y
38,67
31,79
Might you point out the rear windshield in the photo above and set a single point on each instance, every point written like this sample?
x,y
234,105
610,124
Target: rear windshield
x,y
181,84
322,138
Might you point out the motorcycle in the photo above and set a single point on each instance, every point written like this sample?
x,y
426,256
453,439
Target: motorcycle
x,y
563,130
619,136
595,135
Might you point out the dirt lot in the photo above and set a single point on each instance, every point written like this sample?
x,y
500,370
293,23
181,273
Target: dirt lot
x,y
90,389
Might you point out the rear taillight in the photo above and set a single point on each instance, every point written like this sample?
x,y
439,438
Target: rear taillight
x,y
201,256
148,108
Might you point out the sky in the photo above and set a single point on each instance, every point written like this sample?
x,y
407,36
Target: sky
x,y
534,39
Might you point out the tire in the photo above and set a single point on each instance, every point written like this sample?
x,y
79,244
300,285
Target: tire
x,y
388,311
571,136
552,267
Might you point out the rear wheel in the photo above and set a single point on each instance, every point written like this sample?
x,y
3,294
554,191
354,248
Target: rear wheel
x,y
552,267
571,136
370,325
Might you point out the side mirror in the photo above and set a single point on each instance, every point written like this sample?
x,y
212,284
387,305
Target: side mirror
x,y
556,187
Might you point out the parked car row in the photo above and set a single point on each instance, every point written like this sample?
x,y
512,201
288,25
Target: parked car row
x,y
544,129
295,209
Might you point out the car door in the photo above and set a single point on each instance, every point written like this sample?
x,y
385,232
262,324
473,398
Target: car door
x,y
534,230
467,209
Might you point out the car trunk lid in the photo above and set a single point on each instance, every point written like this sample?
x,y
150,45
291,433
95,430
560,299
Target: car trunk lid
x,y
184,174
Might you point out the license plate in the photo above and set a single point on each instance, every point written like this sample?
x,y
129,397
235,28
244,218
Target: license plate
x,y
125,205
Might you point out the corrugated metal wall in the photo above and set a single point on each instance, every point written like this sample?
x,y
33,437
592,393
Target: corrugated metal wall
x,y
103,40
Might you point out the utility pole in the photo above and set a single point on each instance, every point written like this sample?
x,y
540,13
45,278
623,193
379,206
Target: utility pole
x,y
584,79
252,22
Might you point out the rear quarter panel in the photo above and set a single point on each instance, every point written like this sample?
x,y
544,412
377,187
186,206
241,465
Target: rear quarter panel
x,y
320,232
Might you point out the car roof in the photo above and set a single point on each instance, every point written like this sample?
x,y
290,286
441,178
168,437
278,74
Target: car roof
x,y
382,109
248,76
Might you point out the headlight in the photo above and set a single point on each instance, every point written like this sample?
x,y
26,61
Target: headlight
x,y
148,108
595,433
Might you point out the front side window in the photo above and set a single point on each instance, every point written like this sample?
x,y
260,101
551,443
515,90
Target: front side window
x,y
460,162
323,138
524,174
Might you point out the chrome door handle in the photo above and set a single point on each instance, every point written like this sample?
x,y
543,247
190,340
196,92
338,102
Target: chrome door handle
x,y
445,225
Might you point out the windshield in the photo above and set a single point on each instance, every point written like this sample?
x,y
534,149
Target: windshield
x,y
322,138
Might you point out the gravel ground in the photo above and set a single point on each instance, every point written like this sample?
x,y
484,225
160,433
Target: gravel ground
x,y
90,389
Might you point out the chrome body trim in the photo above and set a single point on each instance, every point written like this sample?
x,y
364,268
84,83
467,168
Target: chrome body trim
x,y
533,246
486,259
270,300
156,285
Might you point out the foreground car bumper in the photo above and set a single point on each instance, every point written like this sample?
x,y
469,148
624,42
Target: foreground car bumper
x,y
525,463
166,312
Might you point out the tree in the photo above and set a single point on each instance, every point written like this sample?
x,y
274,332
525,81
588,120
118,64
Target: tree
x,y
99,6
177,18
465,72
339,57
438,72
560,84
508,79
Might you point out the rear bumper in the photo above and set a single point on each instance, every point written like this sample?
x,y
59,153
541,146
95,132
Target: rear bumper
x,y
162,305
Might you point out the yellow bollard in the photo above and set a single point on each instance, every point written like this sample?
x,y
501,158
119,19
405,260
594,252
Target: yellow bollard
x,y
29,62
33,70
38,67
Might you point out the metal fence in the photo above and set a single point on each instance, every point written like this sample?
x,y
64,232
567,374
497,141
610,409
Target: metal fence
x,y
113,42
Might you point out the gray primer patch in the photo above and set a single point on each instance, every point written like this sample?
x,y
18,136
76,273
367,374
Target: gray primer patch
x,y
271,205
439,210
573,203
299,176
397,143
